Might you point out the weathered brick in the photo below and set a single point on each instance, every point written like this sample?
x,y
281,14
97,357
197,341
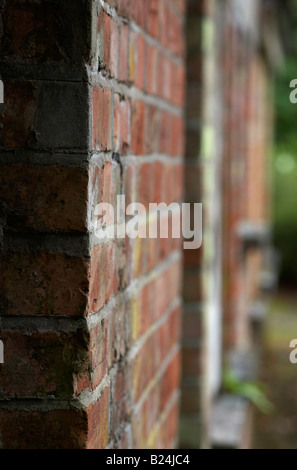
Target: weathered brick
x,y
45,198
124,53
47,283
42,364
152,69
53,33
97,414
121,126
61,118
18,117
170,380
103,279
137,59
153,18
102,119
120,399
145,183
53,429
153,130
138,127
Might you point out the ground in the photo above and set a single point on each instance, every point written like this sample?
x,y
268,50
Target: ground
x,y
278,430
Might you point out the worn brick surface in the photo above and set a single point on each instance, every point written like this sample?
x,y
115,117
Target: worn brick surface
x,y
93,109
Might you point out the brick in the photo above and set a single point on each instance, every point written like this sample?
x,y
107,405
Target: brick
x,y
192,285
17,120
138,127
130,183
138,427
159,182
165,133
190,399
144,367
151,411
21,41
178,176
175,326
193,258
176,36
192,325
168,78
170,380
42,364
137,59
98,352
114,48
121,126
108,31
170,427
61,118
145,183
125,8
191,360
139,12
120,399
97,414
153,18
118,334
164,14
104,22
178,137
47,283
105,185
101,119
152,253
53,429
194,101
180,87
192,143
152,69
103,279
153,130
120,282
193,186
194,69
45,198
124,53
31,35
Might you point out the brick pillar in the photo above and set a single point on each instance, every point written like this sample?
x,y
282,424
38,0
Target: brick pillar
x,y
192,283
93,109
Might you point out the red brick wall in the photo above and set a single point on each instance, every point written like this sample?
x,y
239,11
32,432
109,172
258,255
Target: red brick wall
x,y
94,95
192,282
228,132
248,128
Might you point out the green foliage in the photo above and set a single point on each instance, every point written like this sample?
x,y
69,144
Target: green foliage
x,y
285,183
252,391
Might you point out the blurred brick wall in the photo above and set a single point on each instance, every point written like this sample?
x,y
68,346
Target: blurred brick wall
x,y
94,95
228,138
192,280
246,189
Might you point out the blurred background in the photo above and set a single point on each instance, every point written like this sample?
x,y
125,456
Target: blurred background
x,y
279,428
